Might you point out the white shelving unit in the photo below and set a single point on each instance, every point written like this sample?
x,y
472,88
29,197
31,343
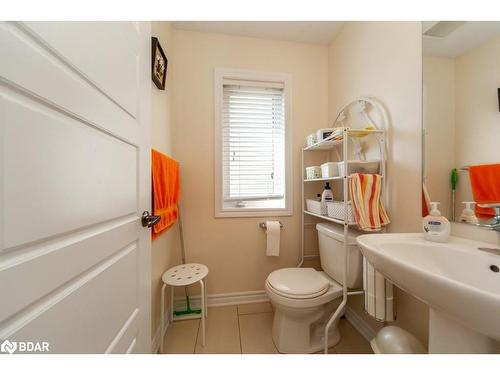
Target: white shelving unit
x,y
341,147
327,218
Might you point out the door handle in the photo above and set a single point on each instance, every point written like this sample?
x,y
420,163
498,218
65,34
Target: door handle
x,y
149,220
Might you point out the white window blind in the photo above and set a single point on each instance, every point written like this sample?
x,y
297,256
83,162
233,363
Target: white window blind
x,y
253,144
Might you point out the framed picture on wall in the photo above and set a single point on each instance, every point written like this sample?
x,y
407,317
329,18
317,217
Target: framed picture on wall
x,y
159,64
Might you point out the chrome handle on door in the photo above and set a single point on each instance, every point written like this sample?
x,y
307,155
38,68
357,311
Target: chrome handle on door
x,y
149,220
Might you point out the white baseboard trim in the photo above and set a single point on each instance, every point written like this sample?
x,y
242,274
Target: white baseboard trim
x,y
311,256
155,342
359,323
223,299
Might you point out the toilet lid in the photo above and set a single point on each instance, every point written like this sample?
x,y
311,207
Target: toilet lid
x,y
298,282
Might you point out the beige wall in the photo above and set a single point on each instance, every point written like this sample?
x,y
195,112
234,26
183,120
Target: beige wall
x,y
165,251
383,60
477,116
439,123
234,248
477,77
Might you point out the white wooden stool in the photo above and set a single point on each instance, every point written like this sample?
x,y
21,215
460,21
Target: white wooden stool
x,y
184,275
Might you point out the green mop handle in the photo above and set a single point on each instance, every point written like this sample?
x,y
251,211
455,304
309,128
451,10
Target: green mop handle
x,y
454,179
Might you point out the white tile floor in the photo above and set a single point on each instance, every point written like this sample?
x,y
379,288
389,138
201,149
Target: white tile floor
x,y
244,329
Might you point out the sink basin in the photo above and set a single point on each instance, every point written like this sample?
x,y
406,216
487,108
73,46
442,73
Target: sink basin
x,y
453,278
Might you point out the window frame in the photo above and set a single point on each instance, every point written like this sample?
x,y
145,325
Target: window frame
x,y
220,74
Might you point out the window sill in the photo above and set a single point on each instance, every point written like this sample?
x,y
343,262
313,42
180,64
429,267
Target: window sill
x,y
253,213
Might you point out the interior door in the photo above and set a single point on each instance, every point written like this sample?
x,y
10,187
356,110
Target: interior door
x,y
74,180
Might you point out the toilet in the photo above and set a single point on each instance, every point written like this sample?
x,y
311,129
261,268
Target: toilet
x,y
304,299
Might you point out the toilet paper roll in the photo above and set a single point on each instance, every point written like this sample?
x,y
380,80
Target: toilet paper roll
x,y
273,238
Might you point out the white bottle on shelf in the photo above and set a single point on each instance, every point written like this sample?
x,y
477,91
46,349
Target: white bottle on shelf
x,y
327,196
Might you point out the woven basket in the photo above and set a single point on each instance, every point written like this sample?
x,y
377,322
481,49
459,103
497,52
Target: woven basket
x,y
315,207
336,210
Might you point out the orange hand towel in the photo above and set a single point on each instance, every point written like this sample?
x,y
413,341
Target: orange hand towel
x,y
166,191
366,190
485,183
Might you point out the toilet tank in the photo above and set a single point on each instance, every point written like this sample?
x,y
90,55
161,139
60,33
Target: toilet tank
x,y
331,252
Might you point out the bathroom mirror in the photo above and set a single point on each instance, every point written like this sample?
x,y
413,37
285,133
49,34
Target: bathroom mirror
x,y
461,114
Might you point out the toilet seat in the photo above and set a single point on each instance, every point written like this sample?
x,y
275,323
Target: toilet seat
x,y
298,283
334,291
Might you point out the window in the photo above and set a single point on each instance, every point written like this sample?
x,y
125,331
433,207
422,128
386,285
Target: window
x,y
252,139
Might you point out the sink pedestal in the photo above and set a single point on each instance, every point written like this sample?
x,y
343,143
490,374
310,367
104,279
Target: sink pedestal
x,y
458,283
448,336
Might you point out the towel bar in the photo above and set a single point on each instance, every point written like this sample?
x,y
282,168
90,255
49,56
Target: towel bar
x,y
263,225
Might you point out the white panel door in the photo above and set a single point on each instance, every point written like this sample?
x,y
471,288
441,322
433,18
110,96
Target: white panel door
x,y
74,181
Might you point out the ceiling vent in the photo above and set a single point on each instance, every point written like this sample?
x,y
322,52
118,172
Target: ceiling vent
x,y
442,29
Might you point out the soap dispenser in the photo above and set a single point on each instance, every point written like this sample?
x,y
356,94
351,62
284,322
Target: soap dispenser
x,y
468,215
435,226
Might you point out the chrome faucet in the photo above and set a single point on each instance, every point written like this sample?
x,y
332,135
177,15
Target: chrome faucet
x,y
491,224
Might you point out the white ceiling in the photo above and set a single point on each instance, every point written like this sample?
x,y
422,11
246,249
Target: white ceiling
x,y
317,32
470,35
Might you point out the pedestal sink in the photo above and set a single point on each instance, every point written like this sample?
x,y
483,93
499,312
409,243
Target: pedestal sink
x,y
460,283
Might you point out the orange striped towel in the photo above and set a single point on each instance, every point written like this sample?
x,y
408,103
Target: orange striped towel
x,y
366,190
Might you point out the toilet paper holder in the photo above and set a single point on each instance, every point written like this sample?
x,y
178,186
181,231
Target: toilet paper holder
x,y
263,225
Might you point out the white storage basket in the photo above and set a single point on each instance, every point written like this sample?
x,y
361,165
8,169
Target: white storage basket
x,y
313,172
315,207
329,169
360,166
336,210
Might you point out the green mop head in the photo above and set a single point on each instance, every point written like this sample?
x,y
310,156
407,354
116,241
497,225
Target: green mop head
x,y
188,310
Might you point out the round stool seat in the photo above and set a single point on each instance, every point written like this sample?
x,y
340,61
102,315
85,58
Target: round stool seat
x,y
185,274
